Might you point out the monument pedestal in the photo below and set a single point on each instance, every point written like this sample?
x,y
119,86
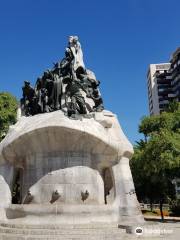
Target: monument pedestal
x,y
74,171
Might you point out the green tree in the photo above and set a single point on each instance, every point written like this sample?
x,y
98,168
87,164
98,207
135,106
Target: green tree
x,y
8,108
173,106
157,158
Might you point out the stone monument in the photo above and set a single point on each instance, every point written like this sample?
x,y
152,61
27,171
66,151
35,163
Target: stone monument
x,y
66,153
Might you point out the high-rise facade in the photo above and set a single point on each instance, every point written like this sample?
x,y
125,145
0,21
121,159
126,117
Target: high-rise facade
x,y
163,81
175,73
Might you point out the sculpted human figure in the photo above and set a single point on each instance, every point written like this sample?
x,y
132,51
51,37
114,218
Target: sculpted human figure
x,y
57,87
38,87
44,100
75,47
98,107
88,83
49,86
44,92
48,91
73,90
91,86
28,98
66,64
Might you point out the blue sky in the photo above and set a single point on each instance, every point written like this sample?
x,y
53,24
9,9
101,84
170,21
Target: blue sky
x,y
119,40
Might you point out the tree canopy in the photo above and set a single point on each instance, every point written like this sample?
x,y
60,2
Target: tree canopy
x,y
161,148
156,161
8,108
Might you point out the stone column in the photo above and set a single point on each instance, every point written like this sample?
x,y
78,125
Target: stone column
x,y
125,196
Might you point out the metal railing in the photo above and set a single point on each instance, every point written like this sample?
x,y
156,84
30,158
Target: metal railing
x,y
145,206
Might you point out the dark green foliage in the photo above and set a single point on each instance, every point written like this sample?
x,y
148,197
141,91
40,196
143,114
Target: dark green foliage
x,y
175,207
8,108
173,106
156,161
154,124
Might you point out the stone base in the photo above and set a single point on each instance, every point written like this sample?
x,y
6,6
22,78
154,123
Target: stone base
x,y
67,214
93,231
3,215
10,231
69,169
61,214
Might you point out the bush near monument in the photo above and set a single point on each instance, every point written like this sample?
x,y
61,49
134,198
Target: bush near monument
x,y
156,160
175,208
8,108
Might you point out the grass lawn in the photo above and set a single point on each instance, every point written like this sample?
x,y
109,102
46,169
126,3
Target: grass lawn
x,y
155,212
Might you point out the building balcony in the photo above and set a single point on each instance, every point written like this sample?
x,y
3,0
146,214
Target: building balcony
x,y
171,95
164,102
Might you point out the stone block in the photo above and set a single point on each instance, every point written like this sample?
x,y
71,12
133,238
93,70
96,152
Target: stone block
x,y
73,184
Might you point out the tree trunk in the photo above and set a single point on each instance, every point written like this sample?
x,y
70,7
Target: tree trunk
x,y
151,205
161,209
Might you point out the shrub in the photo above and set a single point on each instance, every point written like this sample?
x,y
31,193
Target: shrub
x,y
175,207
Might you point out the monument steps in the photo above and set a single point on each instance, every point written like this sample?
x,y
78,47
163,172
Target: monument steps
x,y
64,232
69,237
60,226
56,232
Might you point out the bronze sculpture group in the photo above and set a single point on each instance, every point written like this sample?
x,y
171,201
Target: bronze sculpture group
x,y
67,86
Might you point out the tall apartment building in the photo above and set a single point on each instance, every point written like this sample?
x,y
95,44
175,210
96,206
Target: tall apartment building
x,y
163,81
175,73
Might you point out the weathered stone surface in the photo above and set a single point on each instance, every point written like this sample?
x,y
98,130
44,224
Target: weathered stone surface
x,y
71,184
63,162
125,198
5,198
57,232
5,193
7,172
151,231
51,132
